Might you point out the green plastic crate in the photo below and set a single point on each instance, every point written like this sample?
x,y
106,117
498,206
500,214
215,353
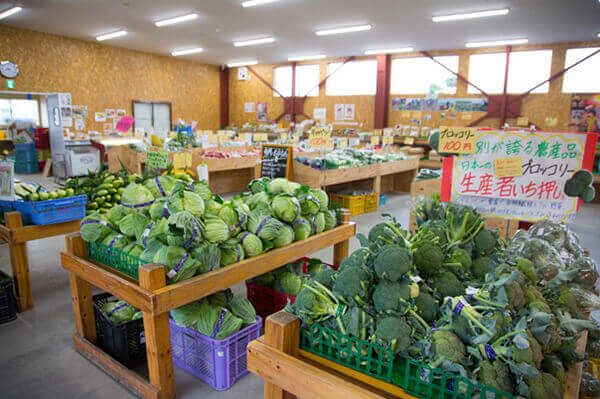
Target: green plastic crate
x,y
337,208
114,258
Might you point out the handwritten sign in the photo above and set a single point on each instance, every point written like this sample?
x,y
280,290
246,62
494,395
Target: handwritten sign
x,y
551,121
387,140
283,136
124,124
157,158
522,121
343,142
261,137
409,140
508,167
276,161
320,137
377,132
182,160
459,140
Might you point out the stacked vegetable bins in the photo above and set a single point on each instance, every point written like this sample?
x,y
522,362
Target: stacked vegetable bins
x,y
26,158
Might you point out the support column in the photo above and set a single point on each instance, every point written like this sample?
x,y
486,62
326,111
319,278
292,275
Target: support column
x,y
224,96
81,293
382,95
504,92
282,331
19,263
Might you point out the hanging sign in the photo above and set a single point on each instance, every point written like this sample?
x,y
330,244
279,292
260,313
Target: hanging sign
x,y
374,140
320,137
157,158
458,140
182,160
276,161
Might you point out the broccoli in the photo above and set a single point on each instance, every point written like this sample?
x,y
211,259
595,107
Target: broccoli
x,y
437,229
545,258
544,386
357,322
587,276
567,300
553,365
430,208
481,266
515,295
326,277
460,258
382,234
463,224
392,262
428,257
352,285
427,307
394,333
526,267
447,346
391,297
448,285
485,242
531,355
497,375
360,257
533,295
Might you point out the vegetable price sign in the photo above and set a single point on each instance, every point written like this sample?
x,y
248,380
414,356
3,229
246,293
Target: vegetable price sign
x,y
157,158
320,137
522,175
276,161
459,140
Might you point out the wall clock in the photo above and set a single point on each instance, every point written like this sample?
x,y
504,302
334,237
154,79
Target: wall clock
x,y
9,69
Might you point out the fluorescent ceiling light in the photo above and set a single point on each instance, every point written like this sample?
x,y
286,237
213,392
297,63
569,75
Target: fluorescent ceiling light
x,y
496,43
254,42
335,31
307,57
389,51
9,12
176,20
241,64
187,51
113,35
470,15
252,3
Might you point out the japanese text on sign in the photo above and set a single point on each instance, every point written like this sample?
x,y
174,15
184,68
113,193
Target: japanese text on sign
x,y
157,158
320,137
459,140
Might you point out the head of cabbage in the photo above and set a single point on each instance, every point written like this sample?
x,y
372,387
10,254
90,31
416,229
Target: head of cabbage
x,y
119,311
252,201
213,206
154,230
179,265
136,196
235,215
330,219
317,223
264,225
134,249
285,207
133,225
231,252
216,322
116,240
95,227
216,230
183,200
160,186
321,197
209,256
258,185
184,230
116,213
253,245
302,229
159,209
285,237
202,189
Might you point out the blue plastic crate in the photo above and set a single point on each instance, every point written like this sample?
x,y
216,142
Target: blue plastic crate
x,y
27,167
53,211
26,156
382,199
6,206
25,146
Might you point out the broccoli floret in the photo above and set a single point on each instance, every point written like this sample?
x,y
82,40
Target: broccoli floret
x,y
553,365
447,346
448,285
485,242
382,234
481,266
531,355
326,277
391,297
496,374
567,300
428,257
427,307
394,333
460,257
544,386
463,224
352,285
526,267
392,262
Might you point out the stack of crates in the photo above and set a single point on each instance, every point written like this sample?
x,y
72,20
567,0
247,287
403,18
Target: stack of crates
x,y
26,158
357,202
42,145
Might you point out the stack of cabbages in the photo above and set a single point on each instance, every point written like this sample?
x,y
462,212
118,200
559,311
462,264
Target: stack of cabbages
x,y
452,296
191,231
289,279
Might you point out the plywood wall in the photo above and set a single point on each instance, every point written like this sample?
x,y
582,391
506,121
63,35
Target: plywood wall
x,y
102,76
536,107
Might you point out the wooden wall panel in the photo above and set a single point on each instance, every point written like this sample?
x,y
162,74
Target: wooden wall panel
x,y
102,76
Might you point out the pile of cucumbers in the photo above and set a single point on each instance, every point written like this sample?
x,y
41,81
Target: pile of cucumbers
x,y
103,188
31,192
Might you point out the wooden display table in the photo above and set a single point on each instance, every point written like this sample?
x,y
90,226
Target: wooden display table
x,y
291,372
426,187
133,160
426,163
17,236
226,175
152,296
381,177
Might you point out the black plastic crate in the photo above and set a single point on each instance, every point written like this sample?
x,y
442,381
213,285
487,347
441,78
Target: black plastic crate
x,y
8,302
125,342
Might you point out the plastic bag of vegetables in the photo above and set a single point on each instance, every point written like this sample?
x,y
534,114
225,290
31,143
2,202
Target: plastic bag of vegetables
x,y
95,227
161,186
209,256
231,252
216,322
115,240
302,229
235,215
285,237
116,213
252,245
136,196
133,225
119,311
183,200
216,230
157,229
202,189
159,209
179,265
184,230
258,185
263,225
285,207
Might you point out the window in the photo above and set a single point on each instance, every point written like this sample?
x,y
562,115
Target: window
x,y
584,77
307,80
19,109
152,116
423,76
353,78
525,70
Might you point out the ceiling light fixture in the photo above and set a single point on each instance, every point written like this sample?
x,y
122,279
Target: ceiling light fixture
x,y
112,35
10,11
176,20
390,51
252,3
349,29
470,15
496,43
187,51
241,64
307,57
253,42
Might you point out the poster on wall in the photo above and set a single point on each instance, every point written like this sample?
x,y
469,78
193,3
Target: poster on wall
x,y
7,177
585,113
65,117
79,124
339,112
110,113
517,174
64,100
261,112
120,113
80,111
320,113
100,117
349,112
249,107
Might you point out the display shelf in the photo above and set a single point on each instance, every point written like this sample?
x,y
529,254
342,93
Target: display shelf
x,y
17,235
290,372
417,141
154,298
226,175
426,163
134,161
426,187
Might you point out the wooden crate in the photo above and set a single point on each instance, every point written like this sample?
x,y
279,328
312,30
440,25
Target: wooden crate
x,y
133,160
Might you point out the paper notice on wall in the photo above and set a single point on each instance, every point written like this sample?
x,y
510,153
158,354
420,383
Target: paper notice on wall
x,y
100,116
79,124
349,112
339,112
320,113
121,113
249,107
80,111
110,113
64,100
65,117
261,112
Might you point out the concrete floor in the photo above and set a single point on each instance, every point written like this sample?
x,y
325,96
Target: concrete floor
x,y
37,358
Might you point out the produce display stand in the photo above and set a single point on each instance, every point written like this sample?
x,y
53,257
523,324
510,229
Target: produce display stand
x,y
133,160
381,177
426,187
17,235
152,296
226,175
291,372
426,163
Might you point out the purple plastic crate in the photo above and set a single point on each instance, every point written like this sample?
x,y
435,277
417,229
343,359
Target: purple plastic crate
x,y
219,363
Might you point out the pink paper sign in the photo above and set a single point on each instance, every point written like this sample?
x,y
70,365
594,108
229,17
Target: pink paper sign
x,y
125,123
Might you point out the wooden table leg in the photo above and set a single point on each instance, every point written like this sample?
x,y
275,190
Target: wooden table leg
x,y
340,250
282,331
377,184
20,264
158,336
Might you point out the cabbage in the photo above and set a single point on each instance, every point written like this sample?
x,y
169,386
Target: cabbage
x,y
234,215
330,219
136,196
157,229
187,315
253,245
159,209
253,200
116,213
209,256
309,204
213,207
231,252
134,249
202,189
220,298
133,225
321,197
288,283
95,227
285,237
258,185
285,207
317,223
182,200
302,229
184,230
277,186
138,315
179,265
292,187
242,308
119,311
216,322
216,230
263,225
151,248
264,280
160,186
115,240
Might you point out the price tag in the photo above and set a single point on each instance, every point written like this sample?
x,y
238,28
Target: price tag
x,y
508,167
377,132
551,121
213,139
416,114
374,140
320,137
387,140
7,180
409,140
182,160
388,132
284,136
460,140
261,137
343,143
157,158
522,121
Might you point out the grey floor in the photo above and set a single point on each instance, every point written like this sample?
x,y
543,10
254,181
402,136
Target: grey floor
x,y
37,359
